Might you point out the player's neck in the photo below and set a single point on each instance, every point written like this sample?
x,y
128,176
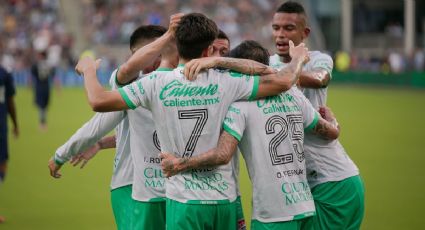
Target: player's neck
x,y
285,58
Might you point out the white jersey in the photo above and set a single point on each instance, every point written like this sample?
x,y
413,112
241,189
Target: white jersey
x,y
187,117
96,128
271,133
326,160
149,181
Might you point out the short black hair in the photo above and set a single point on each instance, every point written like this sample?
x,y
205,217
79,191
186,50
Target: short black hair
x,y
195,33
252,50
291,7
222,35
146,32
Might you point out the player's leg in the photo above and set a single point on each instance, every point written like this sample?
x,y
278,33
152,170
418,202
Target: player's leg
x,y
3,161
339,205
287,225
4,156
241,224
122,207
149,216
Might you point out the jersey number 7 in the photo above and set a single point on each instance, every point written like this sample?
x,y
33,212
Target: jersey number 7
x,y
201,116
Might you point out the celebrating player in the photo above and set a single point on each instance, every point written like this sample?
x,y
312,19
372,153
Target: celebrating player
x,y
336,185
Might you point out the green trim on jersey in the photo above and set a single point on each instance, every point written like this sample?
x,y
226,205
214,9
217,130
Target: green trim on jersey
x,y
255,88
126,99
208,202
313,123
57,161
232,132
116,79
180,65
157,199
162,69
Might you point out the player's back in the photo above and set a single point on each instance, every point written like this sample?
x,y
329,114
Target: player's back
x,y
271,134
188,117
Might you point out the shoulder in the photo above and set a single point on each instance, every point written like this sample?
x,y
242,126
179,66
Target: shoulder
x,y
317,56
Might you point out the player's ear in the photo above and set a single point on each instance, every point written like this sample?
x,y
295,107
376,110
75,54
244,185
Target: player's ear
x,y
306,32
208,52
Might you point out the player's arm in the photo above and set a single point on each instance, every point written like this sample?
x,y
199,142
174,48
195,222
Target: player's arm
x,y
284,79
222,154
314,79
100,100
145,56
86,155
327,126
91,132
246,66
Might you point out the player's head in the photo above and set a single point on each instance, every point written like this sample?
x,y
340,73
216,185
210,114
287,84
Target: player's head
x,y
195,35
251,50
289,23
221,45
143,36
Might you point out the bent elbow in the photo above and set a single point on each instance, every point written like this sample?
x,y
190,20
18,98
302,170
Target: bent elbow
x,y
97,105
333,135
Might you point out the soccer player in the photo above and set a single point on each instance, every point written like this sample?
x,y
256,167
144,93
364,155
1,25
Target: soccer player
x,y
186,115
42,73
7,106
127,212
336,185
270,135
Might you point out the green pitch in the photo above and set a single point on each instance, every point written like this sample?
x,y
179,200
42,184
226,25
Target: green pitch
x,y
381,130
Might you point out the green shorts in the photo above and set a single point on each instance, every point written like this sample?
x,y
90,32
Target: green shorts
x,y
149,215
122,206
181,216
339,205
240,219
286,225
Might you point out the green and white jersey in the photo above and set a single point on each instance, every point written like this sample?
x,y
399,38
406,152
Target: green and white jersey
x,y
271,133
326,160
96,128
187,117
149,181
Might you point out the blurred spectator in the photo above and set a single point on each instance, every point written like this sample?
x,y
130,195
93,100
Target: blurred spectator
x,y
396,62
419,60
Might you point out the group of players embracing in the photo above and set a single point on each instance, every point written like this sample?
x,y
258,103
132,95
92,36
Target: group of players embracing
x,y
186,106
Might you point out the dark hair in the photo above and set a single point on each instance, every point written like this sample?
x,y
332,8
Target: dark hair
x,y
145,33
195,33
291,7
222,35
251,50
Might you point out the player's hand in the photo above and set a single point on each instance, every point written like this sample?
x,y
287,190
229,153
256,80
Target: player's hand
x,y
299,52
54,168
85,156
15,132
85,63
170,164
174,23
193,67
326,113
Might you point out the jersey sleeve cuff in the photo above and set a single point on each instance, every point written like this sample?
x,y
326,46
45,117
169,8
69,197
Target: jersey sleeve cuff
x,y
254,88
313,123
127,100
58,160
232,132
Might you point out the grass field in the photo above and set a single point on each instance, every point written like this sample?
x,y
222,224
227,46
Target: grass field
x,y
381,130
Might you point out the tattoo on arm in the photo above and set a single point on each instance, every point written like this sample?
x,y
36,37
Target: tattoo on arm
x,y
244,66
220,155
327,129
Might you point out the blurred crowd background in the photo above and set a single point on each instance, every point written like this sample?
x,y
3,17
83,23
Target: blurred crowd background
x,y
57,32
